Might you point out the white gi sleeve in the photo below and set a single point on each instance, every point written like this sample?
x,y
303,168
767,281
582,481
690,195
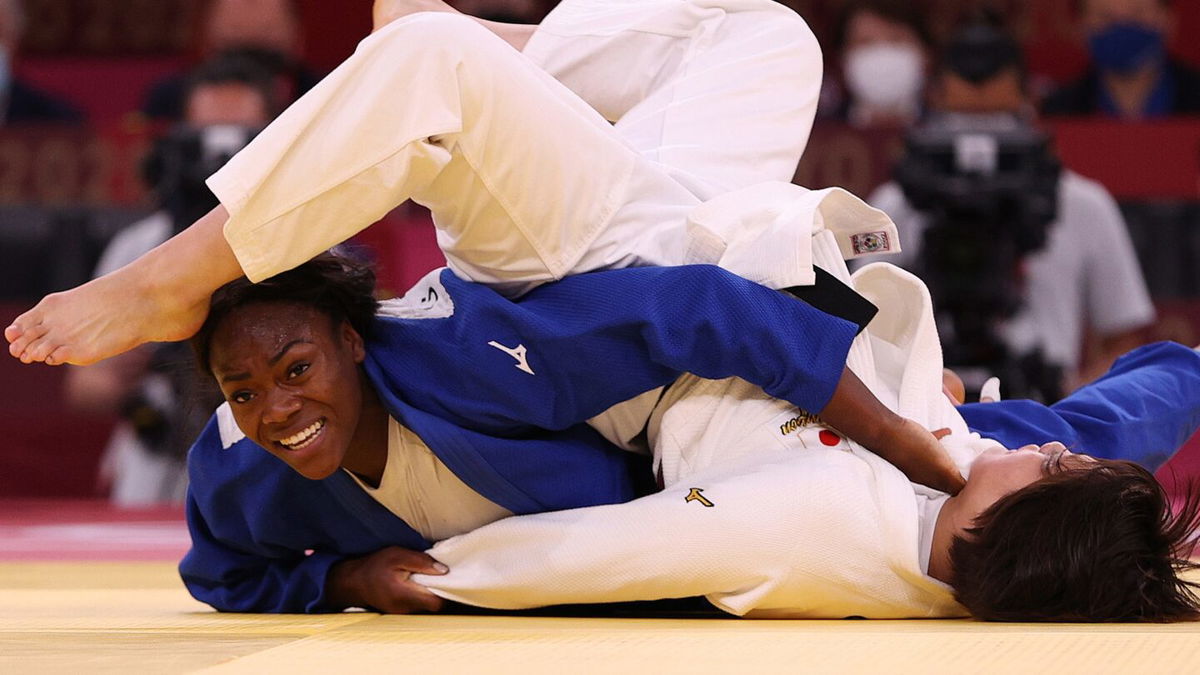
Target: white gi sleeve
x,y
785,534
708,535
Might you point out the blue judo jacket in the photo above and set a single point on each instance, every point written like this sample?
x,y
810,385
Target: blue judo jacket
x,y
498,390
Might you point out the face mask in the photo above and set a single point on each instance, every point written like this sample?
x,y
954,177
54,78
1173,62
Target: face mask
x,y
1126,47
885,75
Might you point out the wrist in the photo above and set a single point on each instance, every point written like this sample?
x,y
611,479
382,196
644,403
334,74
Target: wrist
x,y
342,586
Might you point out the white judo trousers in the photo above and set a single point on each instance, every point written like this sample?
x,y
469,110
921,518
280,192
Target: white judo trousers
x,y
527,182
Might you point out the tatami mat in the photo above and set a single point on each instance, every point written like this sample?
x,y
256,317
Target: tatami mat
x,y
135,617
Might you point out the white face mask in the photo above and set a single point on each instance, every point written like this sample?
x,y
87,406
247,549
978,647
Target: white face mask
x,y
885,75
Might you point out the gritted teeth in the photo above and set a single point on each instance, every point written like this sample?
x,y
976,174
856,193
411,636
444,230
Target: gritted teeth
x,y
303,437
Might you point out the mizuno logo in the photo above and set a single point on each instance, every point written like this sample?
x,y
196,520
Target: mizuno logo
x,y
517,353
694,495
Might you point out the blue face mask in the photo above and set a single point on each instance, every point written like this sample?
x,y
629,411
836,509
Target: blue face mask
x,y
1126,47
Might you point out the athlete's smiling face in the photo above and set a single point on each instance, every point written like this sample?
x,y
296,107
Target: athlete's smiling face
x,y
293,382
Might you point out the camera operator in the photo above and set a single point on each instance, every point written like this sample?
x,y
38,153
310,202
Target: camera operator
x,y
1020,262
161,402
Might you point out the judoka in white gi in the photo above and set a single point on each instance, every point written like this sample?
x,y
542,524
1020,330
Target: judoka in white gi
x,y
764,510
768,513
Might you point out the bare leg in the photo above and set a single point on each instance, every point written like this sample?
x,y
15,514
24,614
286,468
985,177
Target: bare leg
x,y
166,290
387,11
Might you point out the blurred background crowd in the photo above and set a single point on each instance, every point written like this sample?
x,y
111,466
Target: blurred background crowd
x,y
1041,160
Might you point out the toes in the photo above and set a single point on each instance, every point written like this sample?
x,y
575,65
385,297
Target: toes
x,y
20,346
24,355
59,356
38,350
23,331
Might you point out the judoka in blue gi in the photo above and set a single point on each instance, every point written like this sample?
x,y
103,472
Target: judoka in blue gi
x,y
461,407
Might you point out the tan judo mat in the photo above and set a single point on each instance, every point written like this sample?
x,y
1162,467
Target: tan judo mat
x,y
136,618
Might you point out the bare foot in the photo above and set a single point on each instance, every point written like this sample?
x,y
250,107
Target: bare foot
x,y
160,297
387,11
102,318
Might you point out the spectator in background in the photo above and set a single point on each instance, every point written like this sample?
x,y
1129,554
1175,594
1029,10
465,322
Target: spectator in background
x,y
1131,75
266,31
20,102
885,50
1086,276
163,404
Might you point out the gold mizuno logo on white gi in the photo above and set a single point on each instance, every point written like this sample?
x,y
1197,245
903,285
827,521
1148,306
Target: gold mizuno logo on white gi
x,y
517,353
694,495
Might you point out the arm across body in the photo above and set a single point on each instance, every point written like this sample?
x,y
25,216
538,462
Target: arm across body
x,y
704,320
591,341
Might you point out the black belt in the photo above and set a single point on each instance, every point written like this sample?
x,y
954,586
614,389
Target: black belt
x,y
831,296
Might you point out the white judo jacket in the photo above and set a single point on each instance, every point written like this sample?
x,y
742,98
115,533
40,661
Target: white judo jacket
x,y
764,511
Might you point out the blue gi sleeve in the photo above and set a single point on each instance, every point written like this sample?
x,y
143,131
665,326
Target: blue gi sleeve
x,y
264,538
231,580
569,350
1143,409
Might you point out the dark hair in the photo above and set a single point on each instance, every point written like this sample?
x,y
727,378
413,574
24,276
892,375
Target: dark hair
x,y
235,67
1083,544
981,48
340,287
896,11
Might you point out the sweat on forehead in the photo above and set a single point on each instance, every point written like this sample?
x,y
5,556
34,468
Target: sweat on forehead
x,y
338,287
266,329
273,319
